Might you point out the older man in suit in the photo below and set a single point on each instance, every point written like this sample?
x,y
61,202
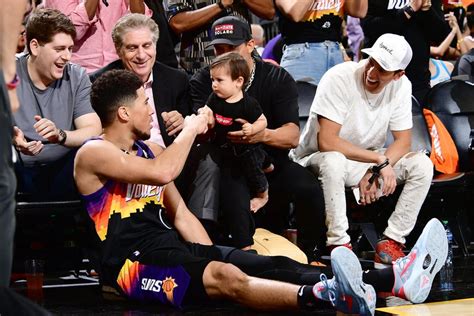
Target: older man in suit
x,y
135,37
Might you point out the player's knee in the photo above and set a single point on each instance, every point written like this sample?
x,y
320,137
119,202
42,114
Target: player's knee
x,y
225,280
231,280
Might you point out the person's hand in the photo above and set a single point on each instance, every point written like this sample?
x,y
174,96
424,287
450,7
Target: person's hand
x,y
389,180
425,5
205,110
247,128
227,3
173,122
452,21
416,4
368,192
196,122
31,148
46,129
240,137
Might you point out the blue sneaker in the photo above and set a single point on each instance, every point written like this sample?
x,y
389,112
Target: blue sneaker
x,y
352,295
326,289
415,272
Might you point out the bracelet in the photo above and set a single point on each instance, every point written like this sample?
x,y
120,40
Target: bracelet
x,y
409,10
376,170
62,134
14,83
458,45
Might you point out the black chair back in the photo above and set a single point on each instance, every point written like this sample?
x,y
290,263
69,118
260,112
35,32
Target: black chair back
x,y
453,102
306,93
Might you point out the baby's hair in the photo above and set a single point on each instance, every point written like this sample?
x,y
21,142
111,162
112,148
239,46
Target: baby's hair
x,y
236,64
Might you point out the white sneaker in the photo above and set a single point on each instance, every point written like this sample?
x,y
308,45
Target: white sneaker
x,y
352,295
415,272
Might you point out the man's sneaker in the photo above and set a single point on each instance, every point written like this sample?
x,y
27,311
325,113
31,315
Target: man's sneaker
x,y
414,273
352,295
326,289
387,251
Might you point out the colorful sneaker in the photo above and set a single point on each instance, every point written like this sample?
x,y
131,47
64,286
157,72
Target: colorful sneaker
x,y
387,251
326,289
414,273
352,295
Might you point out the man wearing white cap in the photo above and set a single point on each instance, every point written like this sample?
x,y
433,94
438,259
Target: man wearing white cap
x,y
342,143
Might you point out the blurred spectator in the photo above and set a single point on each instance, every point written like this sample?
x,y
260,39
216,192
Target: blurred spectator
x,y
421,26
440,71
466,42
56,115
464,65
20,47
167,40
192,19
94,20
135,37
312,35
11,16
444,50
274,49
355,36
258,35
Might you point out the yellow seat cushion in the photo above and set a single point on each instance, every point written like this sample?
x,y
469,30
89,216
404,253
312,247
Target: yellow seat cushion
x,y
269,244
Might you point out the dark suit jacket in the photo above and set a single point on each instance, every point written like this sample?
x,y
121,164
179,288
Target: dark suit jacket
x,y
170,91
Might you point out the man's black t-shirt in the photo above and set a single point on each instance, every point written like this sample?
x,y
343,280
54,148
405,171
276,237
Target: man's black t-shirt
x,y
225,114
316,26
273,88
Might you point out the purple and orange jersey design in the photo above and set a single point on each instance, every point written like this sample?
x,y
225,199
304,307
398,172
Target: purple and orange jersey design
x,y
321,8
120,198
150,282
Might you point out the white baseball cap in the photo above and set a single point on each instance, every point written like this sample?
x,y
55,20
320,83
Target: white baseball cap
x,y
391,51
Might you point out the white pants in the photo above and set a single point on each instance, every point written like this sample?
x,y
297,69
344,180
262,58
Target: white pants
x,y
335,172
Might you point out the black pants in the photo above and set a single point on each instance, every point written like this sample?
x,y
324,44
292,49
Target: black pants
x,y
289,182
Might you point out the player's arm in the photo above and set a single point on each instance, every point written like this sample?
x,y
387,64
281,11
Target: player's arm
x,y
105,160
189,227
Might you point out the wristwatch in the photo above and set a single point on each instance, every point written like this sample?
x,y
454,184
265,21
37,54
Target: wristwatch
x,y
63,136
409,10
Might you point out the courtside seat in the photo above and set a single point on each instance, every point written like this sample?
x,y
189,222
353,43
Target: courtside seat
x,y
453,102
55,231
306,93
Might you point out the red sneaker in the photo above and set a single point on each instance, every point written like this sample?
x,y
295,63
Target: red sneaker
x,y
386,252
347,245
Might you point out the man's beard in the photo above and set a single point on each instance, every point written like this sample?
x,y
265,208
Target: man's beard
x,y
141,135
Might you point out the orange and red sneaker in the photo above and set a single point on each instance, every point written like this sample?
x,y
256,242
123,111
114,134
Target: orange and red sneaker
x,y
387,251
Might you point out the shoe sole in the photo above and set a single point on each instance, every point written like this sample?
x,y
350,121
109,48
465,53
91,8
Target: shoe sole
x,y
432,242
346,266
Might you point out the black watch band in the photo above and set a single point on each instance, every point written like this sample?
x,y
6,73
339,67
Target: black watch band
x,y
409,10
63,136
